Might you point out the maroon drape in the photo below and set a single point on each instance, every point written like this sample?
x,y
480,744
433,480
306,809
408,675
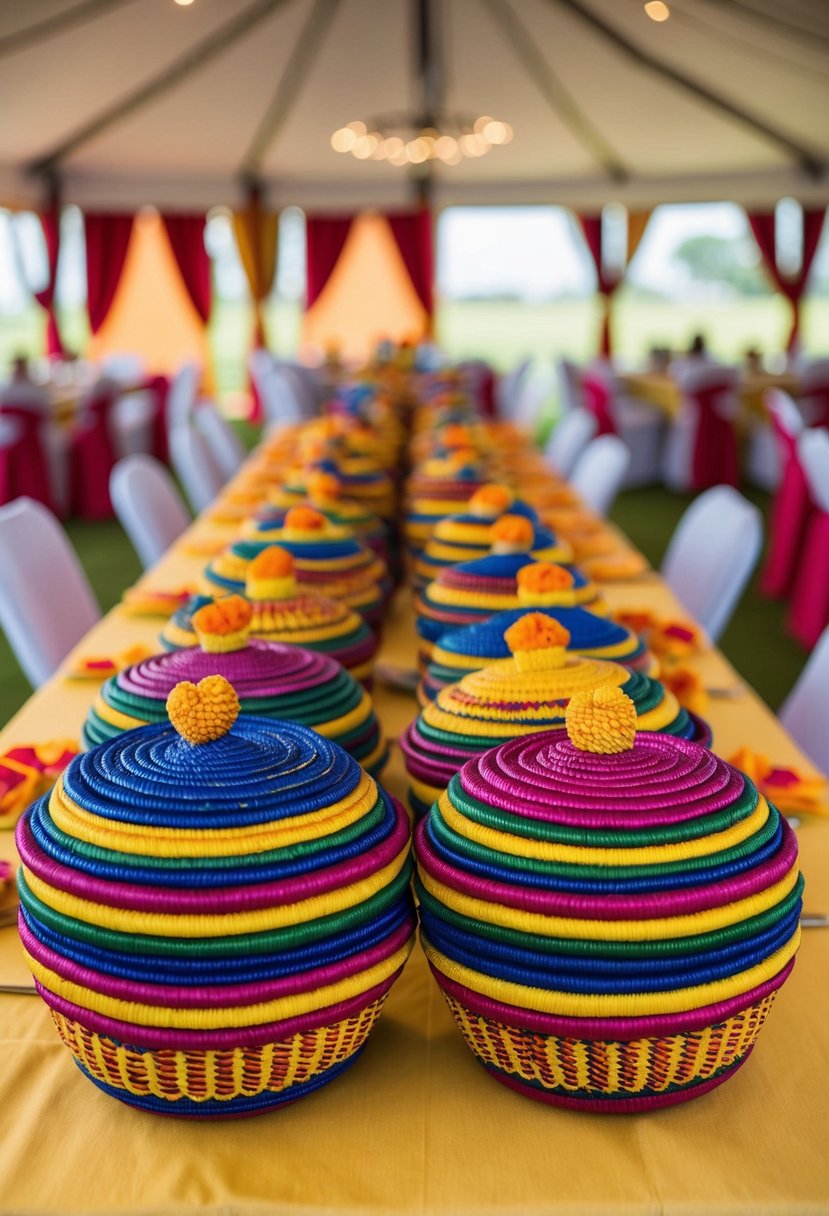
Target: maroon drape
x,y
325,236
92,456
186,235
763,225
591,226
23,465
50,223
107,238
412,231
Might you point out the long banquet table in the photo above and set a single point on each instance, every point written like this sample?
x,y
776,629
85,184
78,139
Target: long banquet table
x,y
417,1126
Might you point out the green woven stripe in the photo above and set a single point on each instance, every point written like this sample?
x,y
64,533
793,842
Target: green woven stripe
x,y
561,833
585,947
605,873
291,852
217,947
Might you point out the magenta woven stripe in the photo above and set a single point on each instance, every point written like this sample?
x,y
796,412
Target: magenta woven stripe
x,y
662,780
254,669
184,901
652,906
487,583
223,996
601,1029
414,740
619,1106
153,1037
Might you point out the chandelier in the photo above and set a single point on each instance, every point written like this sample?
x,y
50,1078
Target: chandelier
x,y
406,139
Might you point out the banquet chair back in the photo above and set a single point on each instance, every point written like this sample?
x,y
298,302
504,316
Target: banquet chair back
x,y
570,437
805,711
303,383
808,613
700,449
279,401
181,398
814,392
508,390
46,602
600,471
569,385
131,421
194,466
221,439
711,555
149,507
813,450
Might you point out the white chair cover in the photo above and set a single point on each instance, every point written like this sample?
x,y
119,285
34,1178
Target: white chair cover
x,y
600,472
194,466
149,507
805,711
570,437
223,442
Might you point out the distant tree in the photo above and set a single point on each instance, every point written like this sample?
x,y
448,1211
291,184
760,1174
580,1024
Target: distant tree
x,y
716,259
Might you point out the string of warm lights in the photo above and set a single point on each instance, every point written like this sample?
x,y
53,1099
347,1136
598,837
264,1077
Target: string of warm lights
x,y
402,141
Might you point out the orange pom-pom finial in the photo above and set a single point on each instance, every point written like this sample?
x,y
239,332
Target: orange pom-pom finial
x,y
543,583
270,576
455,435
323,487
490,500
601,720
304,519
536,631
512,534
223,625
204,711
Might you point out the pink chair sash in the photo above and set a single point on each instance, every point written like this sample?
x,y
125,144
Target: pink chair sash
x,y
23,467
715,445
809,606
91,458
596,395
789,516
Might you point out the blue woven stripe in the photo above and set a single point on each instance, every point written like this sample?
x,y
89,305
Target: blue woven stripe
x,y
487,639
591,975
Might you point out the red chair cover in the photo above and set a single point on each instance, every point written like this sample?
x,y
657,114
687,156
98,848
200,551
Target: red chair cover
x,y
91,458
809,605
159,386
23,467
789,516
714,460
596,395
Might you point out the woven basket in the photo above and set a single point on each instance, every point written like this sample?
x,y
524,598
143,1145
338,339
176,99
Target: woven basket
x,y
215,920
609,928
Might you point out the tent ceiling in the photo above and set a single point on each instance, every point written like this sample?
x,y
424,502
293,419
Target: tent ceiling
x,y
187,144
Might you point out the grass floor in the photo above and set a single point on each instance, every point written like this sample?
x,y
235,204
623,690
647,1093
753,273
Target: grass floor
x,y
755,642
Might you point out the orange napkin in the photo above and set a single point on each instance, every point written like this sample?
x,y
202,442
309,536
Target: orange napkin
x,y
686,686
667,639
139,601
28,771
615,567
788,789
101,667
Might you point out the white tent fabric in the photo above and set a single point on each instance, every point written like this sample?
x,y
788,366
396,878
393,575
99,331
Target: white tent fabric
x,y
186,145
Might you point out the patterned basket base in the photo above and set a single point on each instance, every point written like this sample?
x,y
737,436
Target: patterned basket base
x,y
620,1076
220,1081
213,1109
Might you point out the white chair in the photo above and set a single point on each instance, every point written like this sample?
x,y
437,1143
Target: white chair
x,y
535,390
813,391
46,602
303,383
805,711
279,401
813,450
194,466
694,377
711,555
762,459
223,442
131,422
125,368
570,437
182,395
508,388
600,472
569,385
149,507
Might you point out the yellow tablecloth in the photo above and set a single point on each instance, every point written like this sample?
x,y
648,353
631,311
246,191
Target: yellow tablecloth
x,y
661,389
417,1126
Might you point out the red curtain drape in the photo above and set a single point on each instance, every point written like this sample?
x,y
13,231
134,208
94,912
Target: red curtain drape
x,y
50,223
412,231
764,226
325,237
186,236
591,226
107,239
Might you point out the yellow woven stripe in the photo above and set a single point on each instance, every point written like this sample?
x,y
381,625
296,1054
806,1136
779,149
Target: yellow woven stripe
x,y
347,722
550,850
115,717
215,842
223,924
611,930
371,759
616,1005
217,1019
426,793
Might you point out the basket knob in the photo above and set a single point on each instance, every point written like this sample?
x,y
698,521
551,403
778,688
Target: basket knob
x,y
537,642
270,576
205,711
223,626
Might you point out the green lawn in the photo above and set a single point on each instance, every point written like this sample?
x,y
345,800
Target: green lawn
x,y
502,331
